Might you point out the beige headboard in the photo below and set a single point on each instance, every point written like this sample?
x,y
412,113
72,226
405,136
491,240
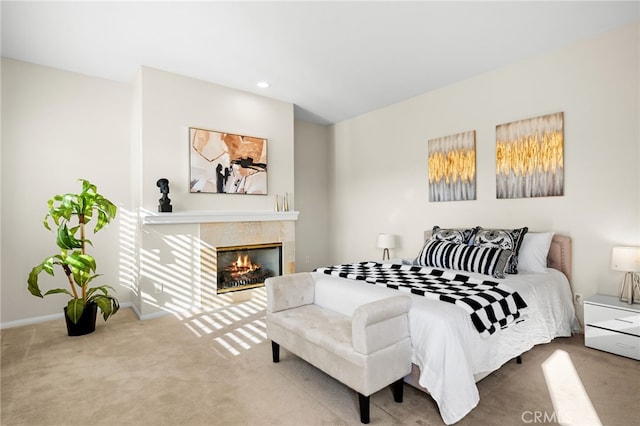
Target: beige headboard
x,y
559,253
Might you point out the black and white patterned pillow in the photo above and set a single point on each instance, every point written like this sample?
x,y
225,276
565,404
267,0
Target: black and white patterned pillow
x,y
458,236
462,257
506,239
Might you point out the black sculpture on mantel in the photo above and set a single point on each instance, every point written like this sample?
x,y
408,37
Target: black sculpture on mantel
x,y
165,203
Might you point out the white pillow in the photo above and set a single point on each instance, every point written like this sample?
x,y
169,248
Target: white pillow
x,y
534,251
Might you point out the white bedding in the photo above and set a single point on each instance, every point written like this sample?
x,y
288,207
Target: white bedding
x,y
447,347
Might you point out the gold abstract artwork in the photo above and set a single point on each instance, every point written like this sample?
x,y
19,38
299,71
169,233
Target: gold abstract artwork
x,y
452,167
530,157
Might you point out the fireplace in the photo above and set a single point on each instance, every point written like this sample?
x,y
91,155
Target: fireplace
x,y
247,266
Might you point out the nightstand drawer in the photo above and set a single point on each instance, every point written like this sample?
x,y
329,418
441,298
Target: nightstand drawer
x,y
612,319
610,341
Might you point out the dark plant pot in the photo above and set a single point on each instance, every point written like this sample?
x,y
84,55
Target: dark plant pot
x,y
87,322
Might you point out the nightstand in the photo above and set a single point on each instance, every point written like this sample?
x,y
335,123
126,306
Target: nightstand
x,y
612,326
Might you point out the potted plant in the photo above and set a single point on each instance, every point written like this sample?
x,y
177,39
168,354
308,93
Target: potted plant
x,y
71,213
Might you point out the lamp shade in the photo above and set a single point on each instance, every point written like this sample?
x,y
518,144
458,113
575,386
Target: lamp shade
x,y
625,259
386,241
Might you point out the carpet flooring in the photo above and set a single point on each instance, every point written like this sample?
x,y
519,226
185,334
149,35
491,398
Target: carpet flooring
x,y
214,368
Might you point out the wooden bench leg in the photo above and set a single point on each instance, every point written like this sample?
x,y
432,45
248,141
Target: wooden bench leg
x,y
398,388
275,351
364,408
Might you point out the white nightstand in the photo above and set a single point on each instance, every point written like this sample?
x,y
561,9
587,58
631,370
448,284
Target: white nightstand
x,y
612,326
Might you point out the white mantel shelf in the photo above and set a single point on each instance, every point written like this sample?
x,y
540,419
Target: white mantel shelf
x,y
175,218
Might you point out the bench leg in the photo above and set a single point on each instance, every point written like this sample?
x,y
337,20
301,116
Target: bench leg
x,y
398,388
275,351
364,408
518,359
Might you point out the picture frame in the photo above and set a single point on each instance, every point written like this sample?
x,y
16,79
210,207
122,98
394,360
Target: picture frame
x,y
530,157
452,167
226,163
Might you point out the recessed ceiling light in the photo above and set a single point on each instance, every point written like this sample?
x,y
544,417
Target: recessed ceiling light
x,y
263,84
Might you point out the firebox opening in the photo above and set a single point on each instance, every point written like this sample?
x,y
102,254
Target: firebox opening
x,y
246,267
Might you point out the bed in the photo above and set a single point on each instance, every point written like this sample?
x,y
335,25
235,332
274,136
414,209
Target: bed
x,y
449,355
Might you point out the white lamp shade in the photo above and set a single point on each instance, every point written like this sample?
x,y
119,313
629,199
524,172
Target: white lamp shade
x,y
386,241
625,259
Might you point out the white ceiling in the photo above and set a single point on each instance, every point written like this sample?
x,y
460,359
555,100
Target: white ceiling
x,y
333,60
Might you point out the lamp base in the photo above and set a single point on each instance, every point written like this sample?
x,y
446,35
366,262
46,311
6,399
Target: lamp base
x,y
385,254
630,291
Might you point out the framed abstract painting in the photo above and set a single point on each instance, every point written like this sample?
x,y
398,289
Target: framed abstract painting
x,y
530,157
226,163
452,167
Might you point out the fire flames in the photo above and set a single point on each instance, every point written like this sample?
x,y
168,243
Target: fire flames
x,y
242,265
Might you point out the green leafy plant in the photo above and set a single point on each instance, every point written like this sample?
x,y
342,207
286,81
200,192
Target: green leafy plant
x,y
70,213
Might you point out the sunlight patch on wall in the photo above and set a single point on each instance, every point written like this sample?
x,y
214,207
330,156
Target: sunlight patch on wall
x,y
169,270
128,270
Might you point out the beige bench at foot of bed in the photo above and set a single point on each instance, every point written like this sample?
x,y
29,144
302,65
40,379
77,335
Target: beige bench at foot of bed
x,y
367,352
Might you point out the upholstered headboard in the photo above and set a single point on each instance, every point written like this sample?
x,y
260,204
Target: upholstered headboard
x,y
559,253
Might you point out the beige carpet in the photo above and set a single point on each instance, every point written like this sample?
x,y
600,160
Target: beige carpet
x,y
215,368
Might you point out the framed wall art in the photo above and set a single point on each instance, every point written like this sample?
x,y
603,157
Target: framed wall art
x,y
227,163
530,157
452,167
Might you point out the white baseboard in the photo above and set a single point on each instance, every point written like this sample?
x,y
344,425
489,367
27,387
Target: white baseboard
x,y
51,317
59,316
29,321
153,315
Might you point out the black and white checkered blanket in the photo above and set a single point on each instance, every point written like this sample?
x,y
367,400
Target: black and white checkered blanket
x,y
492,306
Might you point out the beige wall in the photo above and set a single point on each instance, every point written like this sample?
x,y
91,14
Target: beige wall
x,y
352,180
380,159
58,127
312,195
170,104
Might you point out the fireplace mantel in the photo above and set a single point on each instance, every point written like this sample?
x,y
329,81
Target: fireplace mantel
x,y
214,216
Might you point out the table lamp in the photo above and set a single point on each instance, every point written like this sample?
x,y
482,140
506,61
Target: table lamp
x,y
386,242
627,259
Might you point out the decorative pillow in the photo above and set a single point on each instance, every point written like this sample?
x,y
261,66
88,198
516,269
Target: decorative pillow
x,y
458,236
534,251
462,257
506,239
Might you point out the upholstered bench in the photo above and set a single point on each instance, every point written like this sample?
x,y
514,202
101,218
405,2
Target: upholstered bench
x,y
367,352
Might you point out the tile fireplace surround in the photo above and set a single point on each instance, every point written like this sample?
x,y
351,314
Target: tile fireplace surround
x,y
230,228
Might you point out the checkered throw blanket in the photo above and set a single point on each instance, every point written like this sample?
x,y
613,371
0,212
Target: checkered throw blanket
x,y
492,306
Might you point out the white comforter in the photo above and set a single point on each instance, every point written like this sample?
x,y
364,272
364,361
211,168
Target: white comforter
x,y
447,347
